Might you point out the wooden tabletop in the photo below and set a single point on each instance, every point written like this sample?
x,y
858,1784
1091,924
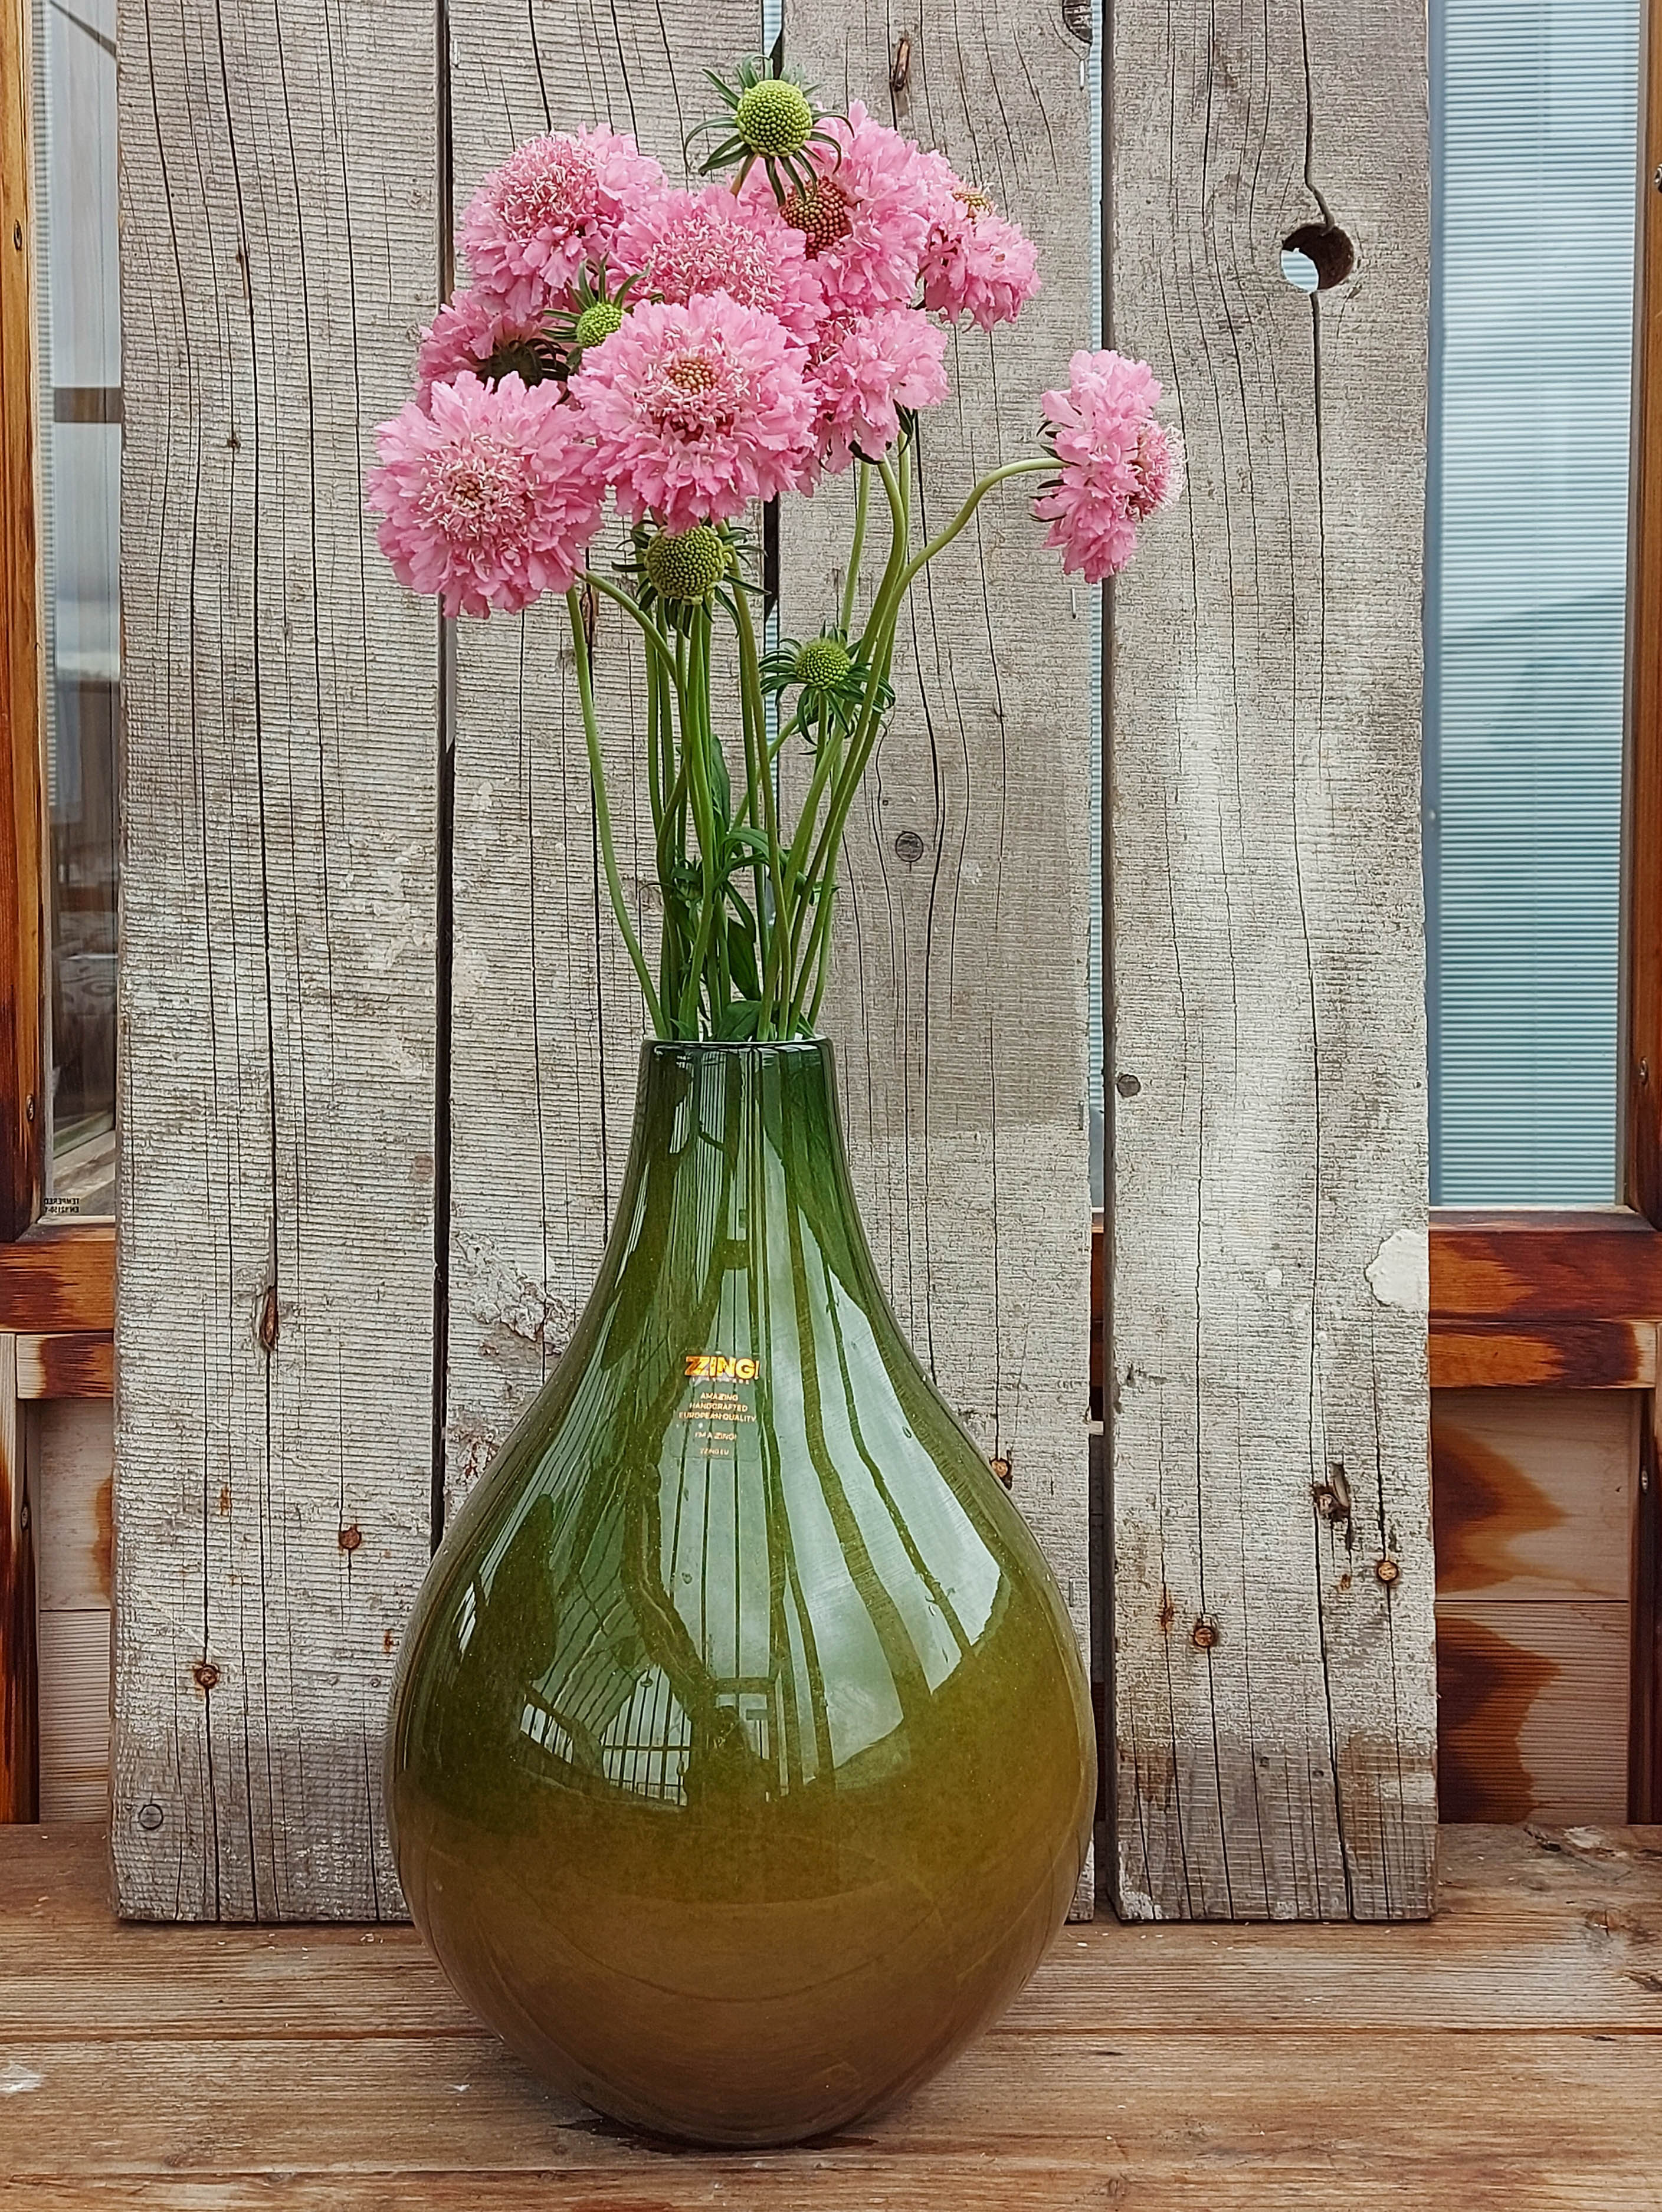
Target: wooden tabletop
x,y
1505,2058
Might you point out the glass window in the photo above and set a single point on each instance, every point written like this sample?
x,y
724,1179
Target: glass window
x,y
1535,155
79,421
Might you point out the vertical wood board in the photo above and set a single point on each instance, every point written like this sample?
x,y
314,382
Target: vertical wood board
x,y
958,1000
274,1410
1275,1706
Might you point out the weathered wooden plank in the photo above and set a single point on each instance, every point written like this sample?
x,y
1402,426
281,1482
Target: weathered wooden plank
x,y
274,1413
1528,1935
545,1012
1275,1718
1053,2111
957,998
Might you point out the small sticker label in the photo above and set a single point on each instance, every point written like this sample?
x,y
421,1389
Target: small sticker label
x,y
715,1367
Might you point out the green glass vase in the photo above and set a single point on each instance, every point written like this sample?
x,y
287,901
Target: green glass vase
x,y
740,1764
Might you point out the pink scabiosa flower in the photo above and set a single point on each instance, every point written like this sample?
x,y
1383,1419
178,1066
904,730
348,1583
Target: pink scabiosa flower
x,y
977,264
696,409
684,245
864,369
1118,465
490,496
470,331
867,217
555,203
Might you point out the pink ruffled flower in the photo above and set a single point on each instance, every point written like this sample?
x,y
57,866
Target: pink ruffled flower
x,y
977,264
1118,465
866,220
684,245
467,330
696,410
864,370
491,497
554,203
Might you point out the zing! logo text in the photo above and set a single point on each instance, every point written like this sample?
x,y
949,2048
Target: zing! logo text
x,y
711,1367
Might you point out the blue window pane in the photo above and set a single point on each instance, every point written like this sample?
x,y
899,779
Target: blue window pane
x,y
1535,161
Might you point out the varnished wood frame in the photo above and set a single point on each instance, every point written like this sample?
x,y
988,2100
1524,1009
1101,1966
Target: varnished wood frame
x,y
54,1276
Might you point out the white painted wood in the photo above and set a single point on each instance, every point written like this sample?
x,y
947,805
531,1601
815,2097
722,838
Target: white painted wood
x,y
1269,1174
958,1004
280,248
545,1010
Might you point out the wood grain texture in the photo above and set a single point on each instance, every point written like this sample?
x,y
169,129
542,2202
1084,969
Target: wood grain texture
x,y
22,1124
1510,2054
1585,1355
1275,1718
72,1366
274,1412
546,1016
1534,1492
19,1795
1505,1267
1533,1707
957,999
61,1276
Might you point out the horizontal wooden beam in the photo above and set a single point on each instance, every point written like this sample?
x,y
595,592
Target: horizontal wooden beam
x,y
1548,1264
1593,1355
80,1366
61,1277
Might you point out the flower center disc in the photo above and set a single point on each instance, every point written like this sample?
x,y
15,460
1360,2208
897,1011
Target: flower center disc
x,y
774,117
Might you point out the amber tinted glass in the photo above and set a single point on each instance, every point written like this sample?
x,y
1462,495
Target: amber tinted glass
x,y
79,419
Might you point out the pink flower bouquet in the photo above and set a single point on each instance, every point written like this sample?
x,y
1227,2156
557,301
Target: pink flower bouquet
x,y
686,354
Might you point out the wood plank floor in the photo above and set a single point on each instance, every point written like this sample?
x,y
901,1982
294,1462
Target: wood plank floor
x,y
1505,2058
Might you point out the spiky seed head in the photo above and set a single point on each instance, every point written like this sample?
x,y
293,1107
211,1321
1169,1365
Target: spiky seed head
x,y
597,323
687,565
822,664
820,212
774,116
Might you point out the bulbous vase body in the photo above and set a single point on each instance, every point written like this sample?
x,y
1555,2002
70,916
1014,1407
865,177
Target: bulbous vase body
x,y
740,1765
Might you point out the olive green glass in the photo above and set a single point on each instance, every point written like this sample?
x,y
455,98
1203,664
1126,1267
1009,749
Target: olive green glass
x,y
740,1765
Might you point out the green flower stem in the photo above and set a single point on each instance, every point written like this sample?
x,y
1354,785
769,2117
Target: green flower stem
x,y
851,582
695,743
1041,464
602,811
756,734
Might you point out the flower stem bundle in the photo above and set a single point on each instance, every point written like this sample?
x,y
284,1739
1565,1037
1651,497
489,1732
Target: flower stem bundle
x,y
682,356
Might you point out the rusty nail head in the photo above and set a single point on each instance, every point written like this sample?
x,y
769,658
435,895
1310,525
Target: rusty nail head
x,y
204,1674
1387,1570
1204,1633
1001,1468
150,1817
349,1537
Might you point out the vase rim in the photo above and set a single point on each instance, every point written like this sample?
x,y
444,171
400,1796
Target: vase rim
x,y
815,1044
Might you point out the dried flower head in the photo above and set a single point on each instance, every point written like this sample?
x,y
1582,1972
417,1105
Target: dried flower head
x,y
697,409
491,497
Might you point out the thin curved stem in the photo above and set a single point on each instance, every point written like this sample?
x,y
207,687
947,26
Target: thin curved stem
x,y
851,582
602,810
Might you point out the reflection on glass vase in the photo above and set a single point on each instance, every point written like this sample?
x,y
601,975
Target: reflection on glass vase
x,y
741,1765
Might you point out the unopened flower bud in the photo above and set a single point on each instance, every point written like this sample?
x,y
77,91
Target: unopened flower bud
x,y
596,323
822,664
687,565
774,116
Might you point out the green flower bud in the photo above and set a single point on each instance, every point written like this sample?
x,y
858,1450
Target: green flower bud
x,y
822,664
774,116
687,565
597,324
